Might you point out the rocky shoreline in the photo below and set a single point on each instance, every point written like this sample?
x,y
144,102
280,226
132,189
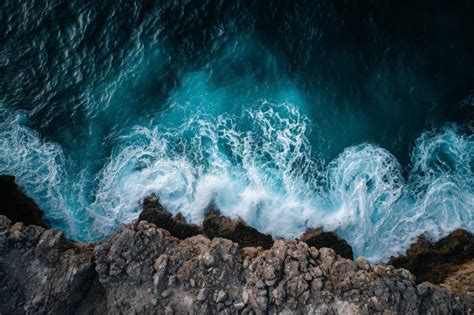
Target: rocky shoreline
x,y
223,266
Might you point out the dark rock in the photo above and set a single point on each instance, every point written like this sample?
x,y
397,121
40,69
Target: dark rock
x,y
41,272
434,262
319,238
142,269
94,299
214,225
217,225
17,206
153,212
13,295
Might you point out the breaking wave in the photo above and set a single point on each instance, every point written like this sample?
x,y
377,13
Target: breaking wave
x,y
258,165
288,114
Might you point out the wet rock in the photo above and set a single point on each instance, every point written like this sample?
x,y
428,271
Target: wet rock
x,y
214,225
144,269
17,206
153,212
434,262
236,230
319,238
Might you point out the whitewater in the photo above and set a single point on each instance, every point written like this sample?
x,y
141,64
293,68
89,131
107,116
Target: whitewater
x,y
276,115
263,172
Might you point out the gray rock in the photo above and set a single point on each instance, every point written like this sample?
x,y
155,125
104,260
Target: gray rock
x,y
142,269
220,296
239,305
42,272
202,295
362,263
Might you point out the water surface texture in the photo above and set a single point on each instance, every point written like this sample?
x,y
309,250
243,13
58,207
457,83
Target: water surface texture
x,y
355,116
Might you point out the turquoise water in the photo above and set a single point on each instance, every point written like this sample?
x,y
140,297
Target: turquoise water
x,y
281,119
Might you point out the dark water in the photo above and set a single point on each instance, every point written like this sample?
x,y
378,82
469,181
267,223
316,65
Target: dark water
x,y
351,115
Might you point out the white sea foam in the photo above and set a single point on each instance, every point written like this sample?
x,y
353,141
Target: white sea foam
x,y
37,164
257,165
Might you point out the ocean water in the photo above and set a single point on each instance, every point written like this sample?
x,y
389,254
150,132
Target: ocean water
x,y
348,115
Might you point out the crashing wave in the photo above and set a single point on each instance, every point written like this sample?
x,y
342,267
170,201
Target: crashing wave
x,y
258,165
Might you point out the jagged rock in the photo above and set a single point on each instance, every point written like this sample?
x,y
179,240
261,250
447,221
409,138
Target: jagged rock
x,y
461,281
448,262
17,206
434,262
142,269
319,238
188,261
214,225
153,212
217,225
42,272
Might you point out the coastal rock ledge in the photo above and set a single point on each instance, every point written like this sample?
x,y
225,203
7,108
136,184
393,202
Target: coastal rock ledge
x,y
160,264
142,269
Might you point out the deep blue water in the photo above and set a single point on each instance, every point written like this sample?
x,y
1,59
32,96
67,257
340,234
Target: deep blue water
x,y
350,115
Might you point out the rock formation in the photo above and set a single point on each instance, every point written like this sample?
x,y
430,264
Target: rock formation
x,y
432,262
236,230
153,212
214,225
217,225
461,281
42,272
142,269
448,262
16,205
319,238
